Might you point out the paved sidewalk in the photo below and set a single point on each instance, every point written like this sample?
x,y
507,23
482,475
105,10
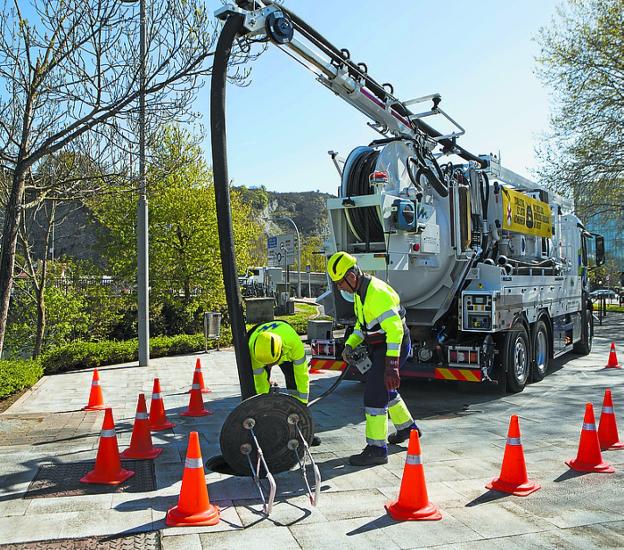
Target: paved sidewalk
x,y
465,428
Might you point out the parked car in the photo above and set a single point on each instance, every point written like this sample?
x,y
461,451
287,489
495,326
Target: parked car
x,y
603,293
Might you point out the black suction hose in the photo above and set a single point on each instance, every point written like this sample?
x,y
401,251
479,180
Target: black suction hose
x,y
331,388
232,27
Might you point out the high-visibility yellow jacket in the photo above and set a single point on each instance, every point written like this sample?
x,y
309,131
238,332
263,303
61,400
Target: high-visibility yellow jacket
x,y
378,312
292,352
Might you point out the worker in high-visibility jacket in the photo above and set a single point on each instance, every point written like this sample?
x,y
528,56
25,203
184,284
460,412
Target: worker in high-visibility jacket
x,y
277,343
380,325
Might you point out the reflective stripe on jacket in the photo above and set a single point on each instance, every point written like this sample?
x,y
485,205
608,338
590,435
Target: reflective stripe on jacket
x,y
379,314
292,352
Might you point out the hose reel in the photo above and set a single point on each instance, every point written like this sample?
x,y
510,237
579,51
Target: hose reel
x,y
364,222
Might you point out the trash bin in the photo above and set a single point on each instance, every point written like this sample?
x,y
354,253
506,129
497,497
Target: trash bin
x,y
212,327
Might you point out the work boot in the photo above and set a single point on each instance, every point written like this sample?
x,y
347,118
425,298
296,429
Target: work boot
x,y
316,441
370,456
403,435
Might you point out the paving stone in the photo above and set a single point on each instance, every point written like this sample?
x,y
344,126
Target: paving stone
x,y
90,524
16,529
291,511
495,519
181,542
270,537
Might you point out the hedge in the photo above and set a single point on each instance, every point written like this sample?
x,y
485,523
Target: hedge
x,y
17,375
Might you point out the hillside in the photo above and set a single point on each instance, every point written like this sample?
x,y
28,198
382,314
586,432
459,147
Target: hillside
x,y
307,208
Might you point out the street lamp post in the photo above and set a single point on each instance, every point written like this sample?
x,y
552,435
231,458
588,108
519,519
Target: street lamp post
x,y
286,218
142,214
142,225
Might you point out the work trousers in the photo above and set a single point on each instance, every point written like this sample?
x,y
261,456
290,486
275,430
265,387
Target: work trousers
x,y
379,402
289,376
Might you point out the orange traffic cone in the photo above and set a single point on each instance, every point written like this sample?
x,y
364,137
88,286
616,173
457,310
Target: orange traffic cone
x,y
413,502
513,478
141,442
198,370
108,470
612,363
607,430
157,415
193,507
96,399
196,403
589,458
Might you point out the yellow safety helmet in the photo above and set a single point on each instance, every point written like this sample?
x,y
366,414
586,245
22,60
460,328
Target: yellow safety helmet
x,y
268,347
339,264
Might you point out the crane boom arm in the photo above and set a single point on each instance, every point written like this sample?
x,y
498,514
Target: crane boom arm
x,y
334,69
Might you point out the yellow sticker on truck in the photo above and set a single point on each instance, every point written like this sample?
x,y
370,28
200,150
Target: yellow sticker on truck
x,y
526,215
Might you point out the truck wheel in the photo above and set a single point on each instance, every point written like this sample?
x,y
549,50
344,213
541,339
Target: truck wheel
x,y
516,358
584,345
542,350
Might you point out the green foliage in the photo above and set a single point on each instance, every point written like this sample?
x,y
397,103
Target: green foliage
x,y
582,60
310,254
17,375
185,261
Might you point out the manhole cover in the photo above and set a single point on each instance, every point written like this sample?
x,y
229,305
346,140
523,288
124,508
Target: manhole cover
x,y
146,541
63,480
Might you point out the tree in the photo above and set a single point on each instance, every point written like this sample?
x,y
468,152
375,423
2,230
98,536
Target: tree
x,y
68,76
582,59
185,262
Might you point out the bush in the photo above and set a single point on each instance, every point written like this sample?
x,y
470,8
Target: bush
x,y
17,375
81,354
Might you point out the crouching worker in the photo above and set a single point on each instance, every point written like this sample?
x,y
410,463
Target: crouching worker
x,y
380,325
277,343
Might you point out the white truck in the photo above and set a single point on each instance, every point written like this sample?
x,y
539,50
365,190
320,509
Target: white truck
x,y
490,267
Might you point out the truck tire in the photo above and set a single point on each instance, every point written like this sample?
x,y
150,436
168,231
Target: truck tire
x,y
584,345
516,359
542,350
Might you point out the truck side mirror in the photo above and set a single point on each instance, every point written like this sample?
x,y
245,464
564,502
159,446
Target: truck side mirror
x,y
600,250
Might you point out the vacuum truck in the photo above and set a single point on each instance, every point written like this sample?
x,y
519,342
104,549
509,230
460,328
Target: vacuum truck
x,y
491,268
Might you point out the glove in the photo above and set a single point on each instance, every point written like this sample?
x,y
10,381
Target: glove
x,y
347,353
392,379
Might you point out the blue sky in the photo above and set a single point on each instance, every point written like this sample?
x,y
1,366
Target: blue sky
x,y
478,55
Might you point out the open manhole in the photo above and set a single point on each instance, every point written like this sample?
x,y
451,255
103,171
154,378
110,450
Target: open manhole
x,y
218,464
145,541
63,480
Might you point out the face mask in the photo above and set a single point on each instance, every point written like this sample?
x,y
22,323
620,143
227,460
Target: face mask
x,y
348,296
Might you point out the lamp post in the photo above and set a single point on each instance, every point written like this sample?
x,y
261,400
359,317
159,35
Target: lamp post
x,y
286,218
142,225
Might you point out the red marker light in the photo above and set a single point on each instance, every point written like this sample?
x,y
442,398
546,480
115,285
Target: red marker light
x,y
416,247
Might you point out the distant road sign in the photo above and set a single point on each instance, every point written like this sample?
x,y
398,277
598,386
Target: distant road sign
x,y
281,250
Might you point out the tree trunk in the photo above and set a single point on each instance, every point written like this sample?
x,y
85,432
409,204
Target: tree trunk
x,y
41,322
13,215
